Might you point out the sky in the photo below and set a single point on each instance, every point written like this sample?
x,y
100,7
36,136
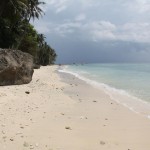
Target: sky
x,y
97,31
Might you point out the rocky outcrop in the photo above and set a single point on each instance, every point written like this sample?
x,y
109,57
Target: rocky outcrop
x,y
16,67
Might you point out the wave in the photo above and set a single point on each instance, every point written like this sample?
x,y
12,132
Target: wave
x,y
122,97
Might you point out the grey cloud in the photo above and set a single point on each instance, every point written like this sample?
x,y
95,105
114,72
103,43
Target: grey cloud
x,y
100,30
103,30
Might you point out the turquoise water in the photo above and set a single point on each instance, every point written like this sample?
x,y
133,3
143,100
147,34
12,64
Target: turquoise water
x,y
127,84
132,78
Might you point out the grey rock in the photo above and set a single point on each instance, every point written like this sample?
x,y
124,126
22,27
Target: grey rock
x,y
16,67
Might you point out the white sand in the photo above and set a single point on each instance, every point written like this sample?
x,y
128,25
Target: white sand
x,y
62,116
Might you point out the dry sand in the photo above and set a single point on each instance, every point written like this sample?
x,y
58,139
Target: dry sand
x,y
60,112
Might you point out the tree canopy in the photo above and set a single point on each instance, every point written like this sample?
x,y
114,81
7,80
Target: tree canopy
x,y
16,32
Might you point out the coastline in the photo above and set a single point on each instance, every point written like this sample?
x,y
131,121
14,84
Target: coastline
x,y
61,112
133,103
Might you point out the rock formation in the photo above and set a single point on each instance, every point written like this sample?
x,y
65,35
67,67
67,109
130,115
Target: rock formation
x,y
16,67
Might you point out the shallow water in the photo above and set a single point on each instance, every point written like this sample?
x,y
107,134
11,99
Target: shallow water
x,y
128,84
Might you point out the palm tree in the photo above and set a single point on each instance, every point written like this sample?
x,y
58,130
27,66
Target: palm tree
x,y
27,9
34,11
41,39
47,55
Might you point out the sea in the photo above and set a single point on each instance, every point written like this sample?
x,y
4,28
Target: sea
x,y
127,84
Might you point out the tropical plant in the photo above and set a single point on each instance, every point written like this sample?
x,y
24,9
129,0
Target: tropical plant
x,y
46,55
33,9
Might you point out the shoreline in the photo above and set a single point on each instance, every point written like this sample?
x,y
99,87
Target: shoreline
x,y
62,112
123,121
134,104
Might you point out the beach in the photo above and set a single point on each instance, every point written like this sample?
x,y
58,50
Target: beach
x,y
58,111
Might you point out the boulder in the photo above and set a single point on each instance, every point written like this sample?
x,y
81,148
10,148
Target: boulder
x,y
16,67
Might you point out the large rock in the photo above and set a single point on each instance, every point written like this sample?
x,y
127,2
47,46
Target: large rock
x,y
16,67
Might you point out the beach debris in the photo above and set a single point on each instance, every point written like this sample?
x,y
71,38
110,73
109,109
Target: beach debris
x,y
102,143
68,128
27,92
31,146
83,117
22,127
62,114
25,144
11,139
94,101
37,80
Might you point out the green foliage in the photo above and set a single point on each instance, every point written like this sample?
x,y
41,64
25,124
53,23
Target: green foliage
x,y
46,55
16,31
7,38
29,42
